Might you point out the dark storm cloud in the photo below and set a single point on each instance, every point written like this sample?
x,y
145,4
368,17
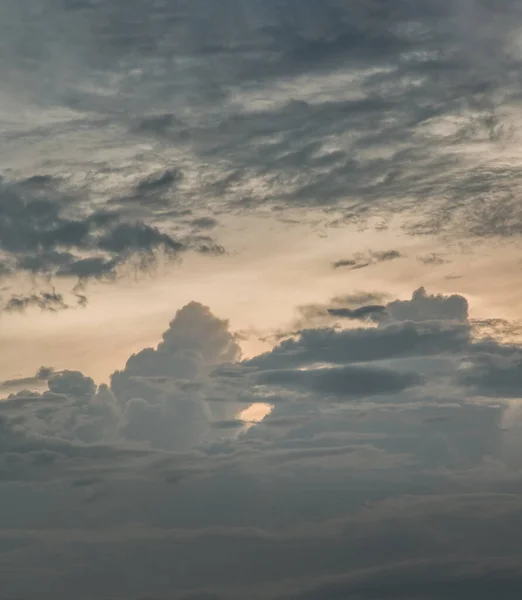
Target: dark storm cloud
x,y
411,343
349,382
419,580
363,345
494,371
361,313
376,499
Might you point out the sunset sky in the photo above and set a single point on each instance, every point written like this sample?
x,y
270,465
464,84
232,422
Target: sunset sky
x,y
260,290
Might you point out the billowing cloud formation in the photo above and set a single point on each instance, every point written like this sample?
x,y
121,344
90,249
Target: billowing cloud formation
x,y
160,387
426,307
389,466
426,324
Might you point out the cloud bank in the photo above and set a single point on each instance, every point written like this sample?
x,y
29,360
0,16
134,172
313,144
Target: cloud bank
x,y
122,140
389,466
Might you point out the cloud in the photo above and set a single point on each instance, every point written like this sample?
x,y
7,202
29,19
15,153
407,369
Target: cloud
x,y
363,306
204,223
42,375
346,262
361,313
494,370
386,111
358,112
350,382
33,224
433,259
426,307
363,345
157,400
361,260
72,383
422,579
39,238
158,181
386,461
174,414
46,301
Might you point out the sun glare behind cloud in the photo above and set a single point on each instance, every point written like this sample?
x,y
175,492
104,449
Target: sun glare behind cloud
x,y
255,414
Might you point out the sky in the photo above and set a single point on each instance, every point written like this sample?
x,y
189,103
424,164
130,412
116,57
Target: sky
x,y
260,285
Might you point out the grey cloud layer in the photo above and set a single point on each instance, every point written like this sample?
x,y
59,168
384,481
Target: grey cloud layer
x,y
140,138
385,469
37,236
356,105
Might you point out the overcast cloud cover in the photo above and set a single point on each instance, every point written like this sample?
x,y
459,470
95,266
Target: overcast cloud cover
x,y
389,465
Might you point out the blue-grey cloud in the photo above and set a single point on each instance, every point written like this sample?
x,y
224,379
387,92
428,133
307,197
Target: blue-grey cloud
x,y
363,312
398,467
394,99
349,382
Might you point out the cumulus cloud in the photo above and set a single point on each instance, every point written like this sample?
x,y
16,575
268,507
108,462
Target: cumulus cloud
x,y
427,307
421,307
426,324
160,388
385,458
